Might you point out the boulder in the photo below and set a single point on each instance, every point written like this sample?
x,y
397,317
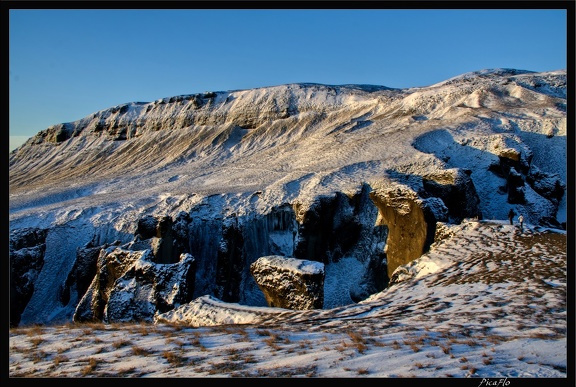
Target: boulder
x,y
290,283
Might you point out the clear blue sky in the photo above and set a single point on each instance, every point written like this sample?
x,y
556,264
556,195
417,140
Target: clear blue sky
x,y
67,64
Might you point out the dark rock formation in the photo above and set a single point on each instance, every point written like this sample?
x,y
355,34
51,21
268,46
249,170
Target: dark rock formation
x,y
147,228
82,273
340,226
290,283
224,248
513,165
516,189
27,248
230,262
129,286
548,185
457,191
163,243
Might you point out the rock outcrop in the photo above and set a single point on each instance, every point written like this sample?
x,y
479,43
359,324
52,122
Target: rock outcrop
x,y
411,222
290,283
26,260
129,286
457,191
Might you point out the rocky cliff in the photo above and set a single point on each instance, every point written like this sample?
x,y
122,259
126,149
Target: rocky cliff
x,y
362,179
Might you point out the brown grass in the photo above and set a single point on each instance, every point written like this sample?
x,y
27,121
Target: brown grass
x,y
36,341
173,358
91,367
225,368
358,341
139,351
121,343
445,348
60,359
34,330
38,356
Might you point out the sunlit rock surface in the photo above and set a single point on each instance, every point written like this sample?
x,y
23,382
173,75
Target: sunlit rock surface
x,y
302,170
290,283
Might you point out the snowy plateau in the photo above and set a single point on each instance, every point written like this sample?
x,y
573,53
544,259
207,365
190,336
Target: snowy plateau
x,y
380,214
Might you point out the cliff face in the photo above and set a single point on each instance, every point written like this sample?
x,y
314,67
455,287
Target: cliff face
x,y
410,228
356,177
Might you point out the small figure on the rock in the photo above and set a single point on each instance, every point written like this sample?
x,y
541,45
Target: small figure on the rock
x,y
511,214
521,222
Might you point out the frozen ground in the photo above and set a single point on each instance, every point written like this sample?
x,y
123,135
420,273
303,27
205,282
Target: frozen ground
x,y
488,302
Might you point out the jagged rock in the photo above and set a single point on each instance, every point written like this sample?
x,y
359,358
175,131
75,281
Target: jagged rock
x,y
411,223
230,262
338,226
129,286
161,239
443,231
27,248
82,272
549,185
457,191
57,133
147,227
290,283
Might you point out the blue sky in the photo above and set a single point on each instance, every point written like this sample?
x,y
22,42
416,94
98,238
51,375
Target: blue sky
x,y
67,64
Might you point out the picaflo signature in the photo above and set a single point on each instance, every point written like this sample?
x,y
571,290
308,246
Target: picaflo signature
x,y
494,382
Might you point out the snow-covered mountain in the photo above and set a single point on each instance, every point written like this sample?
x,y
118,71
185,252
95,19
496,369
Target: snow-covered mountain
x,y
364,179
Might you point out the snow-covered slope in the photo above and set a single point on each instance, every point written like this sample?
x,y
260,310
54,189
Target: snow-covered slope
x,y
289,141
230,159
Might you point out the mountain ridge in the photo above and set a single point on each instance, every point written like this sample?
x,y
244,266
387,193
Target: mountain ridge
x,y
363,179
217,130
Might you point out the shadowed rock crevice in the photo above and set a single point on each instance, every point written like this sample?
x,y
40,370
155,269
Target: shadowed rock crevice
x,y
230,263
27,247
456,190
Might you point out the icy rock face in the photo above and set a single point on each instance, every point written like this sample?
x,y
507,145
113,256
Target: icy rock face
x,y
82,273
129,286
290,283
224,248
158,232
332,230
336,229
27,248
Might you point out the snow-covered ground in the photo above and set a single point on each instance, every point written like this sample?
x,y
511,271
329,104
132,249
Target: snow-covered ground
x,y
488,302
